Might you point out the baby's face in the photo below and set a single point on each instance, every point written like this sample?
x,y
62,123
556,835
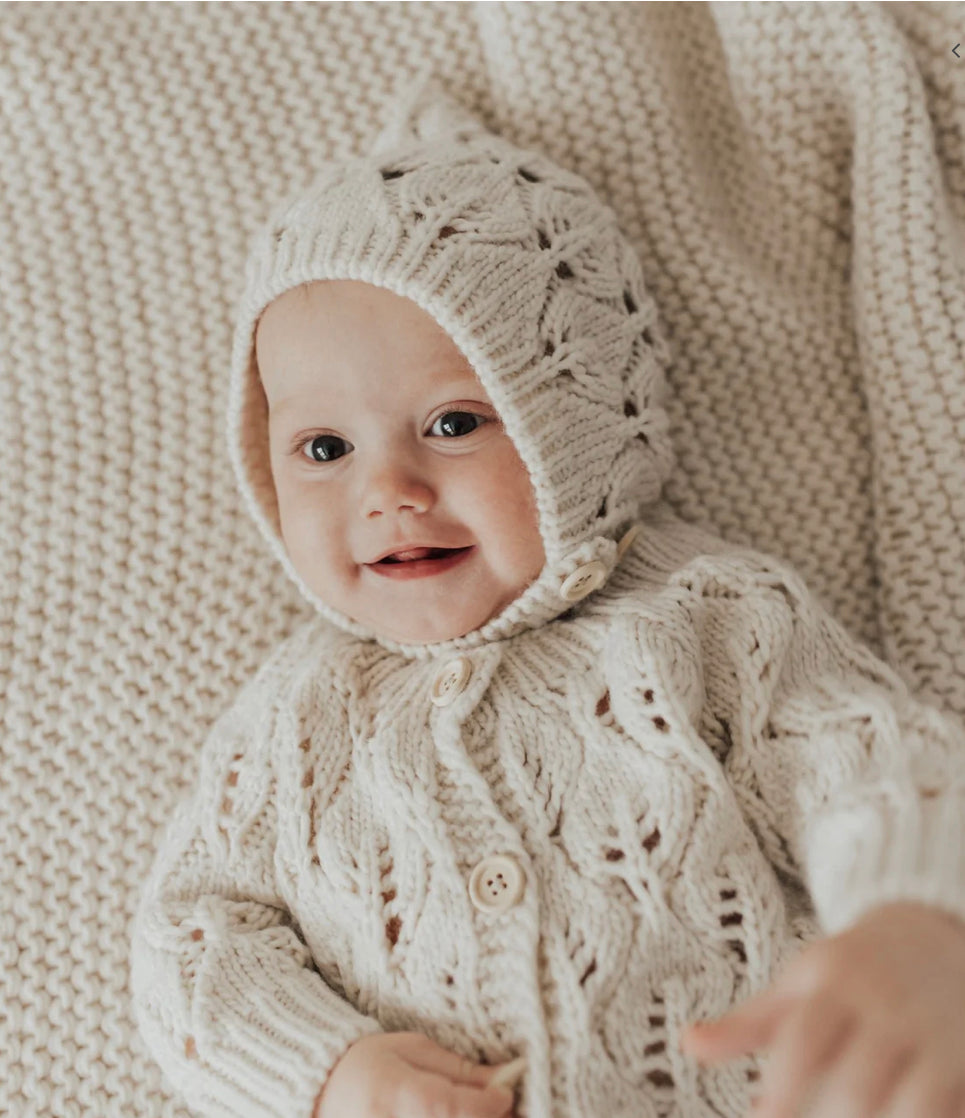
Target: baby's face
x,y
382,436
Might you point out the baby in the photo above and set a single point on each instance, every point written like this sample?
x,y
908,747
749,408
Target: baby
x,y
551,775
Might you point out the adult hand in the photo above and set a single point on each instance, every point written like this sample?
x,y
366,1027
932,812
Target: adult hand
x,y
874,1016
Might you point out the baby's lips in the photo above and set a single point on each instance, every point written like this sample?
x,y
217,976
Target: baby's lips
x,y
509,1074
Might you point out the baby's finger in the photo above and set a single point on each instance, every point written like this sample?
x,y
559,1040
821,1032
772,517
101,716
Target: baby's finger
x,y
424,1053
508,1075
427,1092
809,1038
865,1077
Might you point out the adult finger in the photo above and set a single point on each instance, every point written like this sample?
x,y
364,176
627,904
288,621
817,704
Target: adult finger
x,y
865,1076
749,1027
809,1039
925,1089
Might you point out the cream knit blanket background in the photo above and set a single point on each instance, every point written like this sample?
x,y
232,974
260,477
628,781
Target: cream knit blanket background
x,y
794,178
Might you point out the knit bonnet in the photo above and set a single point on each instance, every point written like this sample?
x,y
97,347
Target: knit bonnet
x,y
527,271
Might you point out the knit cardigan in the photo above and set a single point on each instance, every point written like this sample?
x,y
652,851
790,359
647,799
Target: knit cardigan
x,y
566,845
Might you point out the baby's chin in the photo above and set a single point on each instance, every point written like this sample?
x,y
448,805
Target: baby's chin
x,y
423,627
425,619
426,630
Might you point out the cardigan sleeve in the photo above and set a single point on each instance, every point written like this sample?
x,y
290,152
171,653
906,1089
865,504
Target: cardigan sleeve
x,y
854,786
224,989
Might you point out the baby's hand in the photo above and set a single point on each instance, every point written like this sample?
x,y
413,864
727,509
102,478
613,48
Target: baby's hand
x,y
874,1016
407,1075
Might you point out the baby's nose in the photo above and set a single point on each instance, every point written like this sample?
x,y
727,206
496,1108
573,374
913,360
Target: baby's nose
x,y
397,488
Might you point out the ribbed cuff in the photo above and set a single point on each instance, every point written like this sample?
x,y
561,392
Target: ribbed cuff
x,y
894,843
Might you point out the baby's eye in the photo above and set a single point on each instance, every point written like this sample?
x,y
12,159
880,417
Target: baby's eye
x,y
460,421
324,448
319,448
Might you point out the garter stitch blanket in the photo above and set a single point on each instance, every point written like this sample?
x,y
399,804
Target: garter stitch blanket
x,y
793,176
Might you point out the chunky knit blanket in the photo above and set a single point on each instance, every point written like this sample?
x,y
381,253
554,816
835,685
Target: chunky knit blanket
x,y
794,178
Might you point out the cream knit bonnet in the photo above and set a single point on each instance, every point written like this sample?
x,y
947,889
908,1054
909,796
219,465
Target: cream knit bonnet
x,y
527,271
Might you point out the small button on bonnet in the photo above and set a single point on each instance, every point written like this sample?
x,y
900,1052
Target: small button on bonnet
x,y
584,580
497,883
451,681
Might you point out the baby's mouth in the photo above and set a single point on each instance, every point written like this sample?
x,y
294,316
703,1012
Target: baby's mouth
x,y
422,553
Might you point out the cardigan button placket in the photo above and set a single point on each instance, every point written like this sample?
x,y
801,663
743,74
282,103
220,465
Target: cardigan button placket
x,y
497,883
584,580
451,681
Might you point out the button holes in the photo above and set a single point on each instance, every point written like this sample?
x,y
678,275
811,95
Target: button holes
x,y
237,757
730,918
652,839
392,930
449,980
307,779
197,934
563,270
728,894
615,855
655,1049
603,705
648,696
232,779
656,1022
629,408
628,302
190,1048
662,724
589,970
388,175
527,175
660,1078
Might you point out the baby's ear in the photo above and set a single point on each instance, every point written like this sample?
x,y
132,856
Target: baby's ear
x,y
426,110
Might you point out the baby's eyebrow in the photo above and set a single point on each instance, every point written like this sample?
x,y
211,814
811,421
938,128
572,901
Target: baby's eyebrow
x,y
288,404
464,388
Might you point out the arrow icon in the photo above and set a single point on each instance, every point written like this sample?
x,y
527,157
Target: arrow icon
x,y
955,50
